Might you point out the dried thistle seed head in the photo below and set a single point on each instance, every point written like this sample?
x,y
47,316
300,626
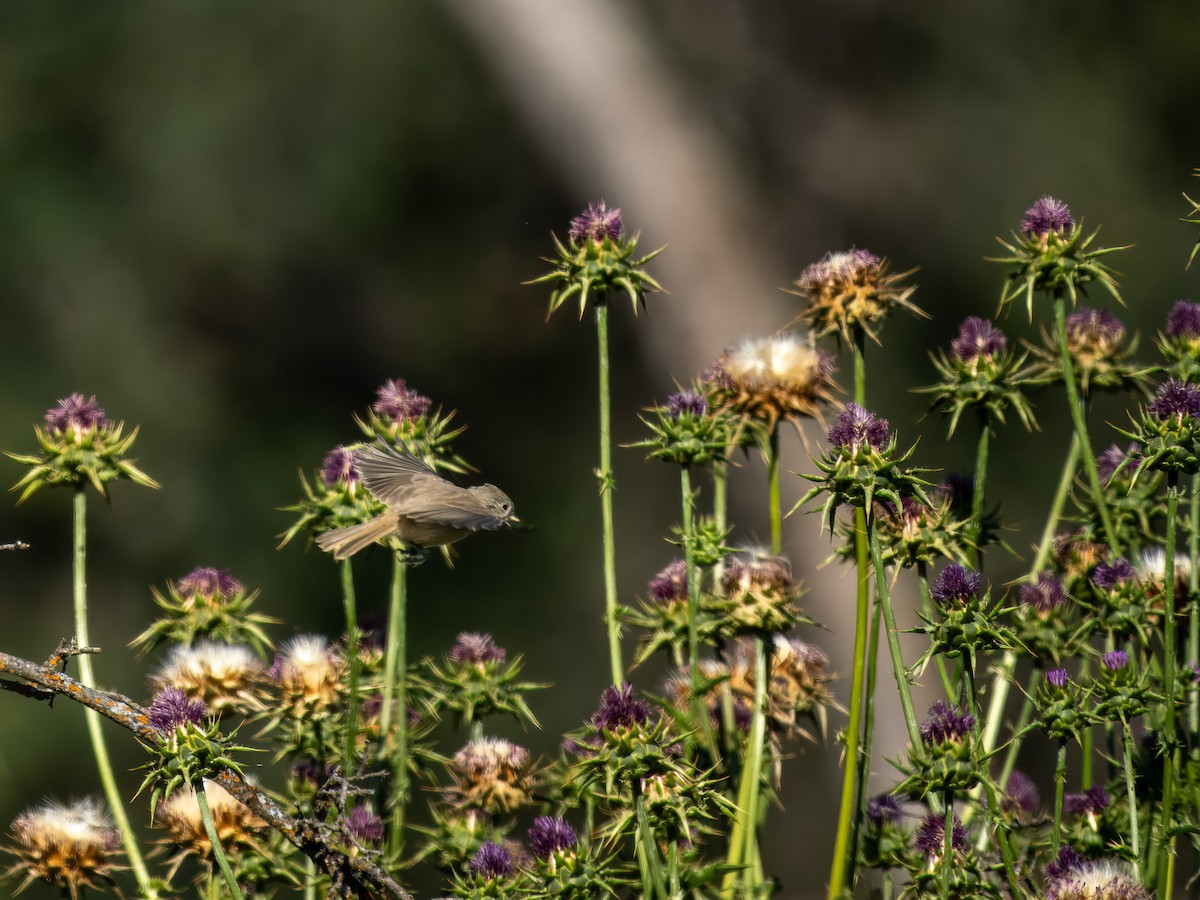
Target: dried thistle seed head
x,y
236,825
491,774
1071,877
223,676
848,291
70,846
773,378
307,670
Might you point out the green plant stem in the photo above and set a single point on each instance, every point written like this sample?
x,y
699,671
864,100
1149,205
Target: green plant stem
x,y
310,880
1166,840
1060,783
607,485
864,757
647,851
1010,759
393,725
1002,680
927,607
218,851
980,487
353,663
1001,828
842,850
1131,797
104,767
1075,406
1193,614
743,855
884,599
720,478
776,510
699,709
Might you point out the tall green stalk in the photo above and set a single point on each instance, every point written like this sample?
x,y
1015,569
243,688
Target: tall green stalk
x,y
743,858
1060,783
864,757
1131,797
720,477
353,663
1166,840
776,511
607,485
842,851
884,599
218,851
393,728
980,486
99,748
849,812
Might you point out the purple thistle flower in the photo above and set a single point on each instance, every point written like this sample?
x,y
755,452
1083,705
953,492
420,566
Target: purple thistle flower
x,y
338,467
671,584
686,402
550,835
945,724
1183,322
1047,215
955,585
1045,596
1115,659
596,223
977,337
396,401
620,709
856,427
1022,793
1090,802
1108,575
205,581
76,414
1112,459
476,647
1094,326
173,709
491,861
1195,667
1175,399
959,487
884,809
364,826
930,837
1057,677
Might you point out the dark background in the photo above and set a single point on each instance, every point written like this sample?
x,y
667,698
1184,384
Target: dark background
x,y
232,222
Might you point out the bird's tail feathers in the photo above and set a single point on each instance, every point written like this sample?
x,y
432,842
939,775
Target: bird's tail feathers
x,y
345,542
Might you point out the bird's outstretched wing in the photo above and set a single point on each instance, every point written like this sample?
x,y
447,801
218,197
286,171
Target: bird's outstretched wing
x,y
453,511
391,475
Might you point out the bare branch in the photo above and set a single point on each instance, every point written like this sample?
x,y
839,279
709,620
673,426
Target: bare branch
x,y
357,877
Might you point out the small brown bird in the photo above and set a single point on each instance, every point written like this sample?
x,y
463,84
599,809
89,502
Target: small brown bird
x,y
423,507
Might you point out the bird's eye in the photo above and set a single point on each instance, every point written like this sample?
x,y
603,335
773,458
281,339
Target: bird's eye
x,y
505,507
